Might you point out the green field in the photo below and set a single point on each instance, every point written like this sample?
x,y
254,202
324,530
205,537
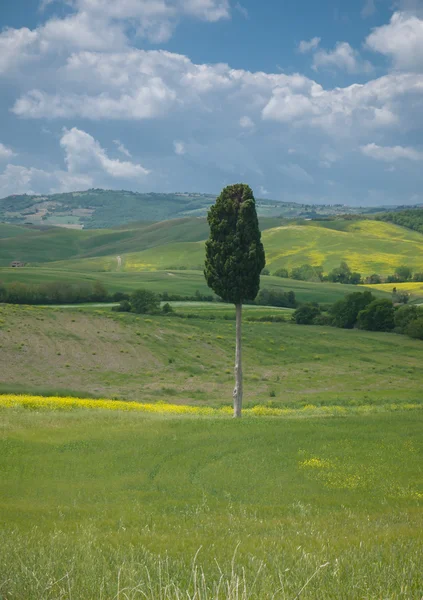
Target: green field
x,y
184,283
110,505
190,361
368,246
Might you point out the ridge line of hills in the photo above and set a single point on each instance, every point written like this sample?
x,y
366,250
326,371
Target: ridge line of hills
x,y
99,209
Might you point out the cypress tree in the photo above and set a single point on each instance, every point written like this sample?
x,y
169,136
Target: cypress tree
x,y
234,260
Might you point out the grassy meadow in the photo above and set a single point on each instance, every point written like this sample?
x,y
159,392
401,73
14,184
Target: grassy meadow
x,y
368,246
108,504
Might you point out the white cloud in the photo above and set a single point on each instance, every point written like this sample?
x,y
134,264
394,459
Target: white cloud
x,y
83,153
305,46
401,40
263,191
297,173
15,45
246,122
122,148
179,148
87,165
391,153
343,57
5,152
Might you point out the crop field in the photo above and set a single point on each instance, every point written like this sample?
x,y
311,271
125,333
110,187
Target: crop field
x,y
109,504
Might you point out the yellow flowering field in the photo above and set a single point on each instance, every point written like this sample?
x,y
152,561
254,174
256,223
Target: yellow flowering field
x,y
69,403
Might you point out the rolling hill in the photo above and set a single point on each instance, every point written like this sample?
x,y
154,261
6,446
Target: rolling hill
x,y
368,246
96,208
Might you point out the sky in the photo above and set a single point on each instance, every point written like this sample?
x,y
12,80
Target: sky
x,y
306,101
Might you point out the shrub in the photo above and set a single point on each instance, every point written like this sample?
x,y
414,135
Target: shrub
x,y
345,312
306,313
273,298
281,273
124,306
343,274
323,319
415,328
144,302
378,316
307,273
265,272
404,315
166,309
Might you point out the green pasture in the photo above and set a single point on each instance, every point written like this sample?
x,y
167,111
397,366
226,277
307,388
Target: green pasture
x,y
368,246
108,505
183,282
190,360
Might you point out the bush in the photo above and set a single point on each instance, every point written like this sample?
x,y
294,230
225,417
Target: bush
x,y
343,274
323,319
265,272
307,273
273,298
378,316
345,312
124,306
144,302
119,296
306,314
415,328
166,309
373,279
405,315
281,273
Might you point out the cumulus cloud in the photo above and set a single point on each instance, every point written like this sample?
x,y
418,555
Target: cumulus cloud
x,y
401,40
391,153
83,153
305,46
87,164
15,47
5,152
342,57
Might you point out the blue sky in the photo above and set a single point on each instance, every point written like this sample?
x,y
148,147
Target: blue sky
x,y
307,101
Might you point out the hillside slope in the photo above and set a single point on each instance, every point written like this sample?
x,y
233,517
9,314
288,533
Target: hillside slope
x,y
98,208
368,247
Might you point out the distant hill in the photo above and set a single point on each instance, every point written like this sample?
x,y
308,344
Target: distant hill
x,y
367,245
97,209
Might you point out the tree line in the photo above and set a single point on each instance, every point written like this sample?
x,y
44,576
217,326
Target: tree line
x,y
363,311
344,274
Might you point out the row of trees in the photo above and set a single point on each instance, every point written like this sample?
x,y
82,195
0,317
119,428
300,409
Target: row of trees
x,y
54,293
364,311
344,274
341,274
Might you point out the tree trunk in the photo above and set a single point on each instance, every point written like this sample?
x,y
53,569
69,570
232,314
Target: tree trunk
x,y
238,365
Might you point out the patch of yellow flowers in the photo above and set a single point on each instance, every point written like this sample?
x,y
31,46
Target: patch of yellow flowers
x,y
69,403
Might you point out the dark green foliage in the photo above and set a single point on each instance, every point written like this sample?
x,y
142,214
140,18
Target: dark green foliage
x,y
281,273
403,273
415,328
265,272
343,274
324,319
53,292
234,252
411,218
418,277
377,316
373,279
306,314
124,306
274,298
166,309
119,296
307,273
345,312
144,301
405,315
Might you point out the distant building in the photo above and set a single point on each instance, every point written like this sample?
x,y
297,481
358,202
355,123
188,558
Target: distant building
x,y
17,263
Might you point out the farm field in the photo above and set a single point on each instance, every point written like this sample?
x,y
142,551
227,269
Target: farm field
x,y
106,504
414,288
368,246
190,361
183,282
